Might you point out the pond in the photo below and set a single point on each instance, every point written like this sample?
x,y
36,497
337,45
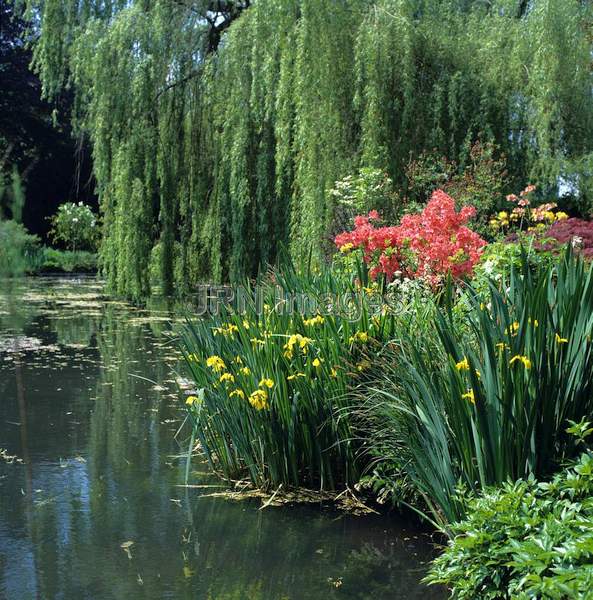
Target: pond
x,y
92,501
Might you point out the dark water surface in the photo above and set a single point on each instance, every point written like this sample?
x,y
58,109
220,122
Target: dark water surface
x,y
88,463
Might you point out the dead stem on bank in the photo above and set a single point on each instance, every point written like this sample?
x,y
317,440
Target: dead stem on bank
x,y
345,500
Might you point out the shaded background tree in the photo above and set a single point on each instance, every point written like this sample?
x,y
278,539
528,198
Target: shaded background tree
x,y
35,138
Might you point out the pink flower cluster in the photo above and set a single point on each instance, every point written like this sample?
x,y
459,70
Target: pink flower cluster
x,y
430,245
523,198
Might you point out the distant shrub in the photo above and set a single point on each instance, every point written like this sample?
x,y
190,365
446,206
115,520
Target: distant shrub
x,y
18,249
428,172
524,540
480,180
67,260
369,189
500,258
76,226
525,216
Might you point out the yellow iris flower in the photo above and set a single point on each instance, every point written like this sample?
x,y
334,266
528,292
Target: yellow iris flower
x,y
215,363
522,359
469,395
259,399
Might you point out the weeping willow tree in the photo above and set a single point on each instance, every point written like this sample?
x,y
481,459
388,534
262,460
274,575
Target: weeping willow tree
x,y
218,127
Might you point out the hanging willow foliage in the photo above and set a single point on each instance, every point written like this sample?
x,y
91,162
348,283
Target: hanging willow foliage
x,y
209,156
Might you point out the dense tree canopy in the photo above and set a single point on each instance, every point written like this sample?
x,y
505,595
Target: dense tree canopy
x,y
218,127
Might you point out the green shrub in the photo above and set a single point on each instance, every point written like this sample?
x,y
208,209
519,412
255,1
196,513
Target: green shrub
x,y
524,540
480,180
490,401
370,189
68,261
76,226
19,249
500,258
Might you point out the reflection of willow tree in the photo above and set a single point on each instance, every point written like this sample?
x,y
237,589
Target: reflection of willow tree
x,y
10,272
15,316
299,553
86,509
124,425
123,491
130,484
75,330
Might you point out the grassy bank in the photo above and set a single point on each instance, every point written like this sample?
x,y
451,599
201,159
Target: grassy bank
x,y
22,252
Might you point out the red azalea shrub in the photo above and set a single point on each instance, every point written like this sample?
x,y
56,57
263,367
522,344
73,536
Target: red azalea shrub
x,y
576,231
430,245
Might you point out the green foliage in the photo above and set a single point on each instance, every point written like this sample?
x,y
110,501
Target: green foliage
x,y
482,183
76,226
156,264
68,261
501,258
524,540
479,178
21,252
230,153
370,189
18,249
426,173
12,195
492,398
35,136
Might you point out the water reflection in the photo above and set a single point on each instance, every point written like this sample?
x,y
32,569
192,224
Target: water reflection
x,y
89,403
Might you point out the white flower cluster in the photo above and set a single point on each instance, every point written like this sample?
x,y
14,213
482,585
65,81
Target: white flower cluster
x,y
75,224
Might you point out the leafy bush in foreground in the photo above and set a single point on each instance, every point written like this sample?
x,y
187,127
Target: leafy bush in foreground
x,y
524,540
